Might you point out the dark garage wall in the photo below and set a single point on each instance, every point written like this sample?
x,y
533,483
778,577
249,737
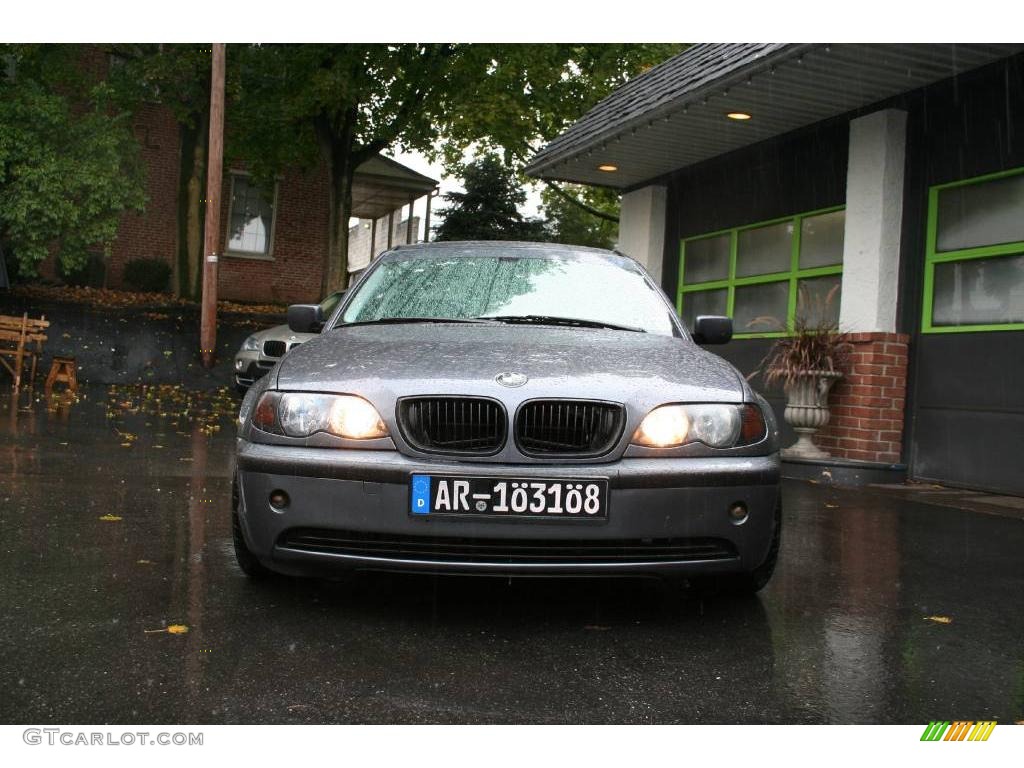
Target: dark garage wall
x,y
965,407
803,171
966,392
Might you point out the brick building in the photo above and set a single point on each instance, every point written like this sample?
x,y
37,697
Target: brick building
x,y
273,249
889,177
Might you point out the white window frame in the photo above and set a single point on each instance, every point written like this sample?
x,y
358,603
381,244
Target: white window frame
x,y
228,251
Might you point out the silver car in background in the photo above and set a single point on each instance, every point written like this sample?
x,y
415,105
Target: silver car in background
x,y
261,351
507,409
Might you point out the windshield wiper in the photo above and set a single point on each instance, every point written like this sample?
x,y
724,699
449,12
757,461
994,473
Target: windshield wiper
x,y
401,320
573,322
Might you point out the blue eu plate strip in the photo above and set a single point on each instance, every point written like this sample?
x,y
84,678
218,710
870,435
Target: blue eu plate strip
x,y
421,494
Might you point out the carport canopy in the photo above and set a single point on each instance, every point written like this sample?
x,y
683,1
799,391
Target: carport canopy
x,y
382,185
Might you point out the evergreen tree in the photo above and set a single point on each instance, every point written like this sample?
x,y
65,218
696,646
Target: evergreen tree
x,y
489,208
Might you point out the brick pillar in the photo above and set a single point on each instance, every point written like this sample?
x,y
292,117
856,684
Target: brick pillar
x,y
868,402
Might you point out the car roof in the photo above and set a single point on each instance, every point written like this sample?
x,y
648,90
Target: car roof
x,y
519,245
470,248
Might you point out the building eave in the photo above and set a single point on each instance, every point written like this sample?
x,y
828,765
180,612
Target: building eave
x,y
783,87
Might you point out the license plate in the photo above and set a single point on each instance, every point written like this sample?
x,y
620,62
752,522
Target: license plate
x,y
582,499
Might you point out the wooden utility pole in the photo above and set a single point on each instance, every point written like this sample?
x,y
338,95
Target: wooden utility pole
x,y
214,177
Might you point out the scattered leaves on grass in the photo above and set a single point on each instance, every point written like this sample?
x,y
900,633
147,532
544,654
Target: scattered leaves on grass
x,y
940,619
103,298
251,309
111,518
108,298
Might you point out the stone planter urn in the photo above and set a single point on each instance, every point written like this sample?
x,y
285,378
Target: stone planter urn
x,y
807,411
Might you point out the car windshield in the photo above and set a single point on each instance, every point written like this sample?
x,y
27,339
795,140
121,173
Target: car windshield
x,y
560,288
328,305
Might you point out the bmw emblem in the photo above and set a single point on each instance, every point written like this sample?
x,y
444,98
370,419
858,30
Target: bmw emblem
x,y
509,379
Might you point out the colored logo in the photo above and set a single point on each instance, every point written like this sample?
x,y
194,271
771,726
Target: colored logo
x,y
959,730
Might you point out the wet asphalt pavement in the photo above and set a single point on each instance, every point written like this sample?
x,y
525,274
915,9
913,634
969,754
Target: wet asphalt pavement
x,y
884,609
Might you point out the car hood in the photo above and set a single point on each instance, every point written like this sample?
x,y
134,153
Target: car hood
x,y
383,362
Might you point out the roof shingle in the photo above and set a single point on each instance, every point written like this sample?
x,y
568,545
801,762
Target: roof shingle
x,y
664,85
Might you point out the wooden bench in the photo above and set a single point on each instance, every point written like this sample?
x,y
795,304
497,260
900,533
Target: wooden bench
x,y
21,341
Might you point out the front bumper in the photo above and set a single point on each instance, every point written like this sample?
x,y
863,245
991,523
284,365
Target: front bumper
x,y
250,367
350,497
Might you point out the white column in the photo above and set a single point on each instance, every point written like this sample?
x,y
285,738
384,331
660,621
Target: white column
x,y
642,227
874,221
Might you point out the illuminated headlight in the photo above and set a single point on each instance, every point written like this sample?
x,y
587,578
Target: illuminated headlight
x,y
251,344
718,425
295,414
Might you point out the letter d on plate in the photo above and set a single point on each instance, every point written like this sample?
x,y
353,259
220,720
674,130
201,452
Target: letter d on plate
x,y
420,494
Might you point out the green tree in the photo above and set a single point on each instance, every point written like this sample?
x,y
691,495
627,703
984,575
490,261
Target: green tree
x,y
68,166
339,105
527,94
578,215
336,106
489,208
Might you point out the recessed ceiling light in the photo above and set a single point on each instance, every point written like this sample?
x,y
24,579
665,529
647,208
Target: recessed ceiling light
x,y
738,116
608,168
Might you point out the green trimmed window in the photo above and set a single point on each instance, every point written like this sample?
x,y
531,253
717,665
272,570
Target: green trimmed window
x,y
764,276
974,256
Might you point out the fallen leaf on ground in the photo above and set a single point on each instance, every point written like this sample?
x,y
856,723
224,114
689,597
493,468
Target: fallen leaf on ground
x,y
110,518
940,619
173,629
145,562
831,506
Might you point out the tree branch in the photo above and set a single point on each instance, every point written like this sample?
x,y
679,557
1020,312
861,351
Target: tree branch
x,y
579,203
402,117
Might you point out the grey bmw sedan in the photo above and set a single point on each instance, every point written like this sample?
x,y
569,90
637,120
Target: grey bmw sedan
x,y
513,409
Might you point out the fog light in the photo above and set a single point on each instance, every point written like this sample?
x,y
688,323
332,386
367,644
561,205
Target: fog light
x,y
239,365
738,513
279,499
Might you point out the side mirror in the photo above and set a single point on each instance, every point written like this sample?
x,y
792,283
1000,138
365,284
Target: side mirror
x,y
712,329
305,318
